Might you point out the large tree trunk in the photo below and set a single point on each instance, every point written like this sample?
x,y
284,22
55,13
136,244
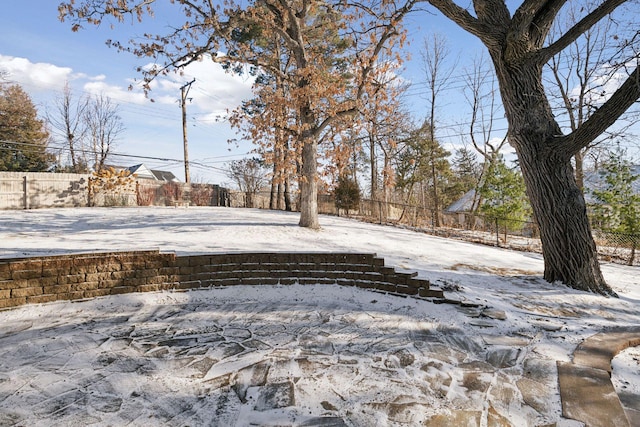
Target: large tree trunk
x,y
570,254
559,207
280,197
273,197
287,194
309,184
374,168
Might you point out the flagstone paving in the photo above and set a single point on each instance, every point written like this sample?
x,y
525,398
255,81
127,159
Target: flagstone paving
x,y
585,385
201,362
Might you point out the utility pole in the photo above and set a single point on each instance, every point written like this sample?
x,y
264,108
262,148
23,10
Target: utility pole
x,y
184,91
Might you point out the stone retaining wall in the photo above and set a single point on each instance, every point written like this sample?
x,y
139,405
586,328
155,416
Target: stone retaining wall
x,y
82,276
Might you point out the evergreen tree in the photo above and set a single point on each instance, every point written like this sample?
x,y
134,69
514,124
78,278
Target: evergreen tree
x,y
23,137
504,197
466,171
424,163
618,207
347,193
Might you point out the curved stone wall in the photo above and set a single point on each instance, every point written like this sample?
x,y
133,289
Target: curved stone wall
x,y
90,275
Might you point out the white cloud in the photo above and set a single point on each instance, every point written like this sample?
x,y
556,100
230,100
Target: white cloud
x,y
163,84
607,80
116,93
35,76
213,92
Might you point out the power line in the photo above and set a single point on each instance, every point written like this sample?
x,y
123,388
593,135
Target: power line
x,y
449,130
115,154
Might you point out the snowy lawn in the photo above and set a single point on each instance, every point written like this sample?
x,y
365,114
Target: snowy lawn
x,y
348,355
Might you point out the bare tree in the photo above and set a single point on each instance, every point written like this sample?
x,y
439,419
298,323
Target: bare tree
x,y
69,122
519,48
384,137
385,122
249,175
482,95
435,55
104,127
578,78
334,46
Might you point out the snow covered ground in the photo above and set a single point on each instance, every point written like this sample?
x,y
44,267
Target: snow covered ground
x,y
295,355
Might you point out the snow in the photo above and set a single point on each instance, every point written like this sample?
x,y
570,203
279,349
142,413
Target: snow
x,y
363,357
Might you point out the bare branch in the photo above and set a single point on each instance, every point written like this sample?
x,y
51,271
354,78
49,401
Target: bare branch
x,y
534,19
604,117
460,16
578,29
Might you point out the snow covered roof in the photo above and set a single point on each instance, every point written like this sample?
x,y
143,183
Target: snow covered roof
x,y
141,171
463,204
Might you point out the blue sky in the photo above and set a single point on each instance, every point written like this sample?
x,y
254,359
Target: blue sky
x,y
41,54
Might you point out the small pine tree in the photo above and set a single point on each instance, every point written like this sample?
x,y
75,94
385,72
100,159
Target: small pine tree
x,y
504,197
466,170
618,205
347,193
23,137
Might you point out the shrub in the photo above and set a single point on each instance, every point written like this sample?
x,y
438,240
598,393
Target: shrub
x,y
145,195
201,194
115,186
172,193
347,194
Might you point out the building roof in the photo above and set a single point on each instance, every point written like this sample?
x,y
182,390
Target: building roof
x,y
464,203
164,176
141,171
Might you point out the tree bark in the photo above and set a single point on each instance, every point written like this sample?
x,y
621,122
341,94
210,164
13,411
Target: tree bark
x,y
273,197
287,194
309,184
374,168
568,248
569,252
579,160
